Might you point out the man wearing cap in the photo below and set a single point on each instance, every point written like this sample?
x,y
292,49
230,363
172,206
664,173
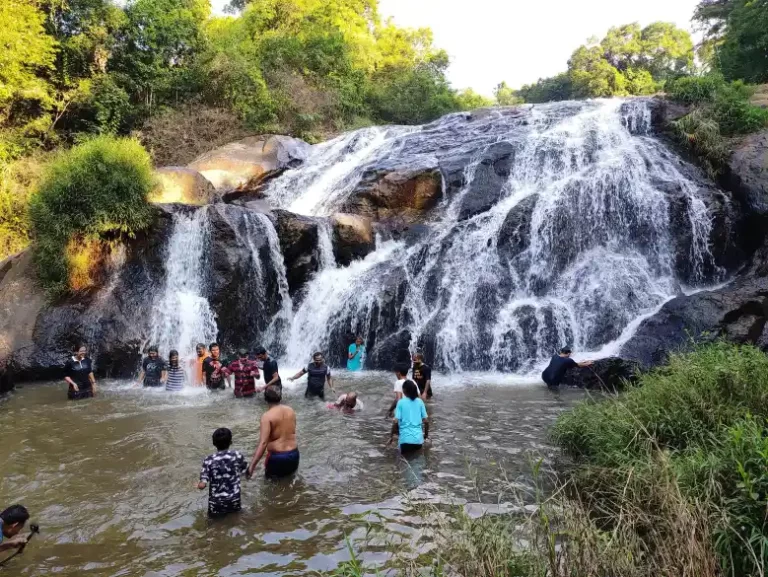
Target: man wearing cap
x,y
558,366
245,372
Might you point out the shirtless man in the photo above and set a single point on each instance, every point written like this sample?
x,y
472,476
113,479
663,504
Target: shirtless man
x,y
278,438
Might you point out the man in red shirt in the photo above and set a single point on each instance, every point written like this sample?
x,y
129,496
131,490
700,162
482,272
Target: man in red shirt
x,y
246,373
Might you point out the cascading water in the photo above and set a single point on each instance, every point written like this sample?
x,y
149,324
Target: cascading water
x,y
182,314
577,239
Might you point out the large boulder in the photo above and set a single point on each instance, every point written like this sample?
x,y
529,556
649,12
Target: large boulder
x,y
299,244
353,237
403,194
241,166
610,374
181,185
748,172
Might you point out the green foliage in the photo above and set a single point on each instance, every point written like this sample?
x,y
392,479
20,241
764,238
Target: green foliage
x,y
548,89
468,99
97,190
506,96
695,89
706,412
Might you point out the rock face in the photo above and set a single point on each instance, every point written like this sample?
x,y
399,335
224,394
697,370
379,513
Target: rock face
x,y
490,177
353,238
408,195
299,245
242,166
748,172
183,186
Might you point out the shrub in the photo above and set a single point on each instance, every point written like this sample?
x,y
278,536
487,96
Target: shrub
x,y
17,180
695,89
734,112
95,192
700,132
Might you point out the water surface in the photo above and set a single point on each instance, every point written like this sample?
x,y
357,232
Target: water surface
x,y
111,481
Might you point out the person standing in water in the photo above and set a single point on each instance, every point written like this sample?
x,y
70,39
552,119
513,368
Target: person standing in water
x,y
559,365
269,368
212,369
410,423
277,438
355,355
153,371
422,376
319,374
196,365
401,375
176,379
246,373
222,472
78,371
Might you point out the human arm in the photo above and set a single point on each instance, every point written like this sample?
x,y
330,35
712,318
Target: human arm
x,y
93,382
424,421
298,375
203,475
275,378
329,379
265,430
586,364
352,352
14,542
394,432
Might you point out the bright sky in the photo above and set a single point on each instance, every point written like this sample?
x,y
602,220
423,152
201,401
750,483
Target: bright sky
x,y
520,41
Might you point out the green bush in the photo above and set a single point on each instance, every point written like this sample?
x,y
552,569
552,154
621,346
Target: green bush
x,y
734,112
96,191
705,414
695,89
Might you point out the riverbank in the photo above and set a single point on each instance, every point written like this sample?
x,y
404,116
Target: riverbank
x,y
666,479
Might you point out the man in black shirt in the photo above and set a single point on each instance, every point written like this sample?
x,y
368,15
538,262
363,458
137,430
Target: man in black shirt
x,y
422,376
269,368
318,373
153,370
212,369
558,366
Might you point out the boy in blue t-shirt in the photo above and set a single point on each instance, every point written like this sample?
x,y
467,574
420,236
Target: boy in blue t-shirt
x,y
355,355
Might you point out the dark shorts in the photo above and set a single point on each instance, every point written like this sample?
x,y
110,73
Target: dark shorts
x,y
314,394
279,465
81,394
406,448
153,384
221,508
216,386
550,382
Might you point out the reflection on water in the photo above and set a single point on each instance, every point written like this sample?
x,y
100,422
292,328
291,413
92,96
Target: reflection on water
x,y
112,481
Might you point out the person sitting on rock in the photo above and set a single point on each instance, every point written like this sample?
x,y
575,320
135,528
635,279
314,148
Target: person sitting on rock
x,y
559,365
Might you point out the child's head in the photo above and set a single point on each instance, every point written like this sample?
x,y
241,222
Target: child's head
x,y
401,371
222,438
14,518
410,390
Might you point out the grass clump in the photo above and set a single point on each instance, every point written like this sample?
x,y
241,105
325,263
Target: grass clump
x,y
94,194
698,425
720,110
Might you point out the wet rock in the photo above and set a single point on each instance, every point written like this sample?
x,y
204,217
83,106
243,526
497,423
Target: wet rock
x,y
182,185
515,234
353,238
611,374
242,276
490,178
299,245
737,312
748,172
391,351
407,194
243,165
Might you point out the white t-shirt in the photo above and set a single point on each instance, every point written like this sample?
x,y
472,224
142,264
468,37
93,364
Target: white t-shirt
x,y
399,385
358,404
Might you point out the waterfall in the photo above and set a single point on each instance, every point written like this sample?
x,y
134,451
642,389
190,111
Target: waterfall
x,y
274,338
575,243
182,314
325,244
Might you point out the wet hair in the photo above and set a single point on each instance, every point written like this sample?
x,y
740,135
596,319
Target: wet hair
x,y
317,354
222,438
358,338
152,349
418,355
15,514
200,346
402,369
260,351
410,390
172,354
242,352
565,351
210,347
273,395
352,395
81,346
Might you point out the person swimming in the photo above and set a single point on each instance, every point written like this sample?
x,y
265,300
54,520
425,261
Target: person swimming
x,y
277,438
348,402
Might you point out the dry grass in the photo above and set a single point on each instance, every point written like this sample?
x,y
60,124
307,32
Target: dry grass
x,y
85,262
177,137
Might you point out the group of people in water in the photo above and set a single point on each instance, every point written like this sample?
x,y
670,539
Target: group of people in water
x,y
249,374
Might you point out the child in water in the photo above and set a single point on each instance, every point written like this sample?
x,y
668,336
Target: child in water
x,y
222,471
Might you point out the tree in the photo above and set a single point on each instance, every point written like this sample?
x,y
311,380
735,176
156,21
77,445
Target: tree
x,y
743,53
593,76
27,56
551,89
468,99
505,96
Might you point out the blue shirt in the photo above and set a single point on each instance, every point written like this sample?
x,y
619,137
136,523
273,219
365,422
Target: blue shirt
x,y
356,362
409,415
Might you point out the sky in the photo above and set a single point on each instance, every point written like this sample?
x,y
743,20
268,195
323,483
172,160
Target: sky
x,y
520,41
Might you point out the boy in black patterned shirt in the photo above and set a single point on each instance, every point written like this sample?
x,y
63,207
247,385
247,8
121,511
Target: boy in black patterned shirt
x,y
221,471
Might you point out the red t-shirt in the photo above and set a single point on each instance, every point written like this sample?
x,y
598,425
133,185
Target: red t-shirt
x,y
246,373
